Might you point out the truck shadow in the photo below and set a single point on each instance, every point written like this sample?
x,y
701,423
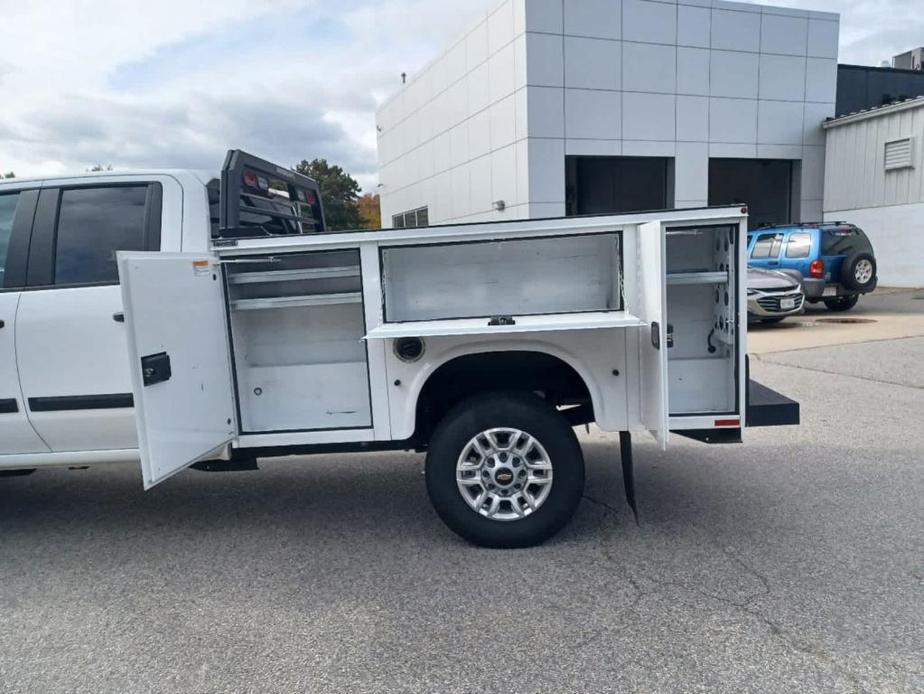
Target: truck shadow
x,y
367,498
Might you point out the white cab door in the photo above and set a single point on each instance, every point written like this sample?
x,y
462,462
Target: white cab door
x,y
178,347
16,433
653,345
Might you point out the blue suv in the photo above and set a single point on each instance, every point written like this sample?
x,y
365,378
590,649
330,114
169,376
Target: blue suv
x,y
834,260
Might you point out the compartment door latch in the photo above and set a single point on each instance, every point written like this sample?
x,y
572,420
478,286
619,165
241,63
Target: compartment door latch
x,y
155,368
656,335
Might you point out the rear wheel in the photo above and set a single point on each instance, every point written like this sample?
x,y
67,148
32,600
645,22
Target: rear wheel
x,y
771,321
505,470
842,303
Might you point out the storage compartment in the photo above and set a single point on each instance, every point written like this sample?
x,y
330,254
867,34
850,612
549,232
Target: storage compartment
x,y
701,310
297,325
562,274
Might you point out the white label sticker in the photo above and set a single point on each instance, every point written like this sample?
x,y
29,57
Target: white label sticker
x,y
201,267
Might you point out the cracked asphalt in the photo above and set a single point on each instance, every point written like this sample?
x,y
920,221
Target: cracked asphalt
x,y
794,562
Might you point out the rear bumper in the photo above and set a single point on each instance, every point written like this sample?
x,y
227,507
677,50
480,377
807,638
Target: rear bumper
x,y
814,289
767,408
763,407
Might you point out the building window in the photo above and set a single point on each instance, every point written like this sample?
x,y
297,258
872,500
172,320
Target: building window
x,y
898,154
412,218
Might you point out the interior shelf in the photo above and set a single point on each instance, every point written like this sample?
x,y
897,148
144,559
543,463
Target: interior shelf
x,y
302,300
697,277
316,273
589,320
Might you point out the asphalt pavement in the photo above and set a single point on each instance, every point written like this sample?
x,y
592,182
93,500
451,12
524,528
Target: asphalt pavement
x,y
793,562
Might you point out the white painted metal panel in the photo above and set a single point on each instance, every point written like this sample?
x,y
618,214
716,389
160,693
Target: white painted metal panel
x,y
591,320
304,396
16,433
501,277
174,304
652,309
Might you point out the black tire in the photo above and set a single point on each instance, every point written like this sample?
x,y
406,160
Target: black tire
x,y
523,411
842,303
849,270
771,321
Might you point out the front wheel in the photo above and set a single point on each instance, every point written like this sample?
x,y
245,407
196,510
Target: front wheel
x,y
842,303
505,470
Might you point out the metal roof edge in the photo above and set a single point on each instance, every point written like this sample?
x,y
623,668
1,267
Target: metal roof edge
x,y
874,112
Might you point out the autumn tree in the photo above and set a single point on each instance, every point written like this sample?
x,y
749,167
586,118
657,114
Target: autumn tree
x,y
8,174
339,193
370,210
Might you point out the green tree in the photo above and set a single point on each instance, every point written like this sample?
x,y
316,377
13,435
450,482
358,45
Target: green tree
x,y
8,174
370,209
339,193
100,167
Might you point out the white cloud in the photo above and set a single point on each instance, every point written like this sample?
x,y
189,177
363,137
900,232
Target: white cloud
x,y
176,82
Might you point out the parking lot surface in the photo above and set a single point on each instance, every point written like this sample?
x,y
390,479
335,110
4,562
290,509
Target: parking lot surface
x,y
794,562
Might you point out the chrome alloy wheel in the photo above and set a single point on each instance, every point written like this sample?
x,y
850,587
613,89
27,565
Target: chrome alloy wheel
x,y
504,474
863,272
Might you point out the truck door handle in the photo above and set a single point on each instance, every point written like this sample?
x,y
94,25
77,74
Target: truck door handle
x,y
155,368
118,317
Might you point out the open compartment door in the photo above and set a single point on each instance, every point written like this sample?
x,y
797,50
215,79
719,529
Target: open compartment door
x,y
653,338
180,359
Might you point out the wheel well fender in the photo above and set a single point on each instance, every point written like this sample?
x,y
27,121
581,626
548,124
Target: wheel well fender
x,y
468,370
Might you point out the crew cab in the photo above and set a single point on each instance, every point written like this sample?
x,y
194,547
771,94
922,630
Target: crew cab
x,y
177,319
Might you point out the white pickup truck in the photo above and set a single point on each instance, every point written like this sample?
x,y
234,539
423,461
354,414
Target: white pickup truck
x,y
179,319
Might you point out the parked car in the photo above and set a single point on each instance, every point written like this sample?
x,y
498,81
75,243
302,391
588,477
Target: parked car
x,y
773,295
834,259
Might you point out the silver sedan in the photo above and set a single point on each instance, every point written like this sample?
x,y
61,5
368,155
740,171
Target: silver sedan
x,y
773,295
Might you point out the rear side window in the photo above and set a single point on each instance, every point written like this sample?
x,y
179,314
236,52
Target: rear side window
x,y
767,246
7,212
799,245
843,241
94,223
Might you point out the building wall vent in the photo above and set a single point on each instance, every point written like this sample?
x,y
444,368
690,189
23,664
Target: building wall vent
x,y
898,154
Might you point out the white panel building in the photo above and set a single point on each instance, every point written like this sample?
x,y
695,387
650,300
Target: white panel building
x,y
554,107
875,179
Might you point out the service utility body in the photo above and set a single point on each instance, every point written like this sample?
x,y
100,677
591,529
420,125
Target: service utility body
x,y
236,326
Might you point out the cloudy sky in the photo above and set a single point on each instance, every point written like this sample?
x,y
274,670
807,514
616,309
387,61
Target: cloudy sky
x,y
177,82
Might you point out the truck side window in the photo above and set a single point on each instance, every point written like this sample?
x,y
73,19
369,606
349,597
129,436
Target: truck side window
x,y
94,223
7,212
799,245
767,246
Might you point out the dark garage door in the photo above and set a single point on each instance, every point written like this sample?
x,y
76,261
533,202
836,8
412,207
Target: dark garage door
x,y
600,185
764,185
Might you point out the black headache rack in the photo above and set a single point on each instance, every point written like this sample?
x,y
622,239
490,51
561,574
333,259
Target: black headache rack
x,y
259,198
764,407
